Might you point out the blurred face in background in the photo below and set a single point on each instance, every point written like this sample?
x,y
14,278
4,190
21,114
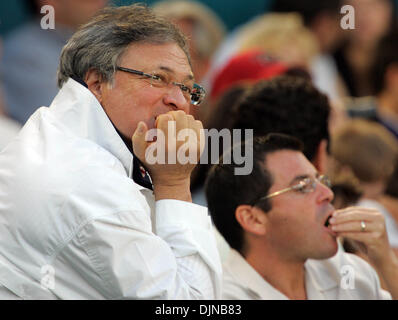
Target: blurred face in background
x,y
372,19
328,31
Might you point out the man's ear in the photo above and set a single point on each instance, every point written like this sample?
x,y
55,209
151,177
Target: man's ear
x,y
94,83
320,160
252,219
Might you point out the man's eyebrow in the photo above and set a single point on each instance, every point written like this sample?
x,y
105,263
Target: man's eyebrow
x,y
299,178
302,176
164,68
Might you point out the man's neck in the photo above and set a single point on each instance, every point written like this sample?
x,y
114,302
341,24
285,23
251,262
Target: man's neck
x,y
285,275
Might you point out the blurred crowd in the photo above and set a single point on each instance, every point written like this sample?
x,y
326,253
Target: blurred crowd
x,y
356,69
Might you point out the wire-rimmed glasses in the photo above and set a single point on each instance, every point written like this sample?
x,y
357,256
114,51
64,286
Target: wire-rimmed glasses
x,y
306,185
194,95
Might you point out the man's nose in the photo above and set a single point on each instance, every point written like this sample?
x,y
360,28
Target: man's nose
x,y
175,98
325,193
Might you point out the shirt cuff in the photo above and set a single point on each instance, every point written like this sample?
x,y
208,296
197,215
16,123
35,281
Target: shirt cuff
x,y
171,212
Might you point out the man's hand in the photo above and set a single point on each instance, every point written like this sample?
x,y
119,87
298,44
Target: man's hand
x,y
366,227
172,155
372,240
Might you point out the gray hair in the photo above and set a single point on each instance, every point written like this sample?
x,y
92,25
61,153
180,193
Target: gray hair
x,y
100,43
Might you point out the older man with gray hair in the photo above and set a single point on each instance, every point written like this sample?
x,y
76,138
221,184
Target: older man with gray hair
x,y
83,214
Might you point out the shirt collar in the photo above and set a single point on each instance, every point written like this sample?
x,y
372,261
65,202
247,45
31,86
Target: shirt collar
x,y
244,274
79,110
320,277
324,275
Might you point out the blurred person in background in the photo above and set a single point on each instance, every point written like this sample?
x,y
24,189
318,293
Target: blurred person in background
x,y
245,68
282,36
285,37
385,82
354,58
322,18
31,54
382,106
203,28
370,152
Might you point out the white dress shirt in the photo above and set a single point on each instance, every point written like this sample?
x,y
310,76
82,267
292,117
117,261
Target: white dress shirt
x,y
324,280
74,225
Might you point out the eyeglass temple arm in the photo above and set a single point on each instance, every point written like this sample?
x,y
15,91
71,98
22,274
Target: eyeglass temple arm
x,y
132,71
277,193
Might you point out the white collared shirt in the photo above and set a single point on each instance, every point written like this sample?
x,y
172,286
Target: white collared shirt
x,y
74,225
324,280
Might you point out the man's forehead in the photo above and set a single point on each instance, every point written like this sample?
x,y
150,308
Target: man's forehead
x,y
287,165
149,57
165,68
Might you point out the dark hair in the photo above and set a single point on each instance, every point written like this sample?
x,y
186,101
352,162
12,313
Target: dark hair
x,y
289,105
386,55
308,9
223,113
225,191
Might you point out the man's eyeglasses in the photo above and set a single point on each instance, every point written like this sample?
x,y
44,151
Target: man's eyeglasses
x,y
306,185
194,95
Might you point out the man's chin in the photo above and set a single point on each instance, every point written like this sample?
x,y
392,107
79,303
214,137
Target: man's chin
x,y
327,253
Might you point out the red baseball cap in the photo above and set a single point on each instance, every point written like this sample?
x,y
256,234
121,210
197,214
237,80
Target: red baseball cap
x,y
247,67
